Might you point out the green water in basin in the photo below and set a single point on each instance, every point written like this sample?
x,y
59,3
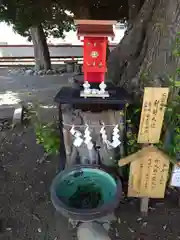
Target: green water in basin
x,y
86,189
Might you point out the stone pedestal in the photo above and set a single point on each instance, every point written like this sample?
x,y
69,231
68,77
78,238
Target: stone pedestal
x,y
92,231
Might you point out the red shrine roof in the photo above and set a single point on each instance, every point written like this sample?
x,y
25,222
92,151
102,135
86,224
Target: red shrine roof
x,y
95,28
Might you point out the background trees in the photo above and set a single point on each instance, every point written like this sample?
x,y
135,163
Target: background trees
x,y
141,58
144,57
36,20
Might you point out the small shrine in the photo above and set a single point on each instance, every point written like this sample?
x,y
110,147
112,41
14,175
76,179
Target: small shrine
x,y
93,133
91,112
92,125
95,38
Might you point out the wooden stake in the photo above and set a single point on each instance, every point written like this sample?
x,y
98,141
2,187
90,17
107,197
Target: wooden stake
x,y
144,206
67,141
178,197
144,202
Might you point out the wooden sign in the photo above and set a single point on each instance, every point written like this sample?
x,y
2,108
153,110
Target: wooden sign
x,y
148,174
175,177
152,114
136,156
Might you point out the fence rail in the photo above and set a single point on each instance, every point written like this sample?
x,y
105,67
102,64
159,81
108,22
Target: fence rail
x,y
24,54
30,61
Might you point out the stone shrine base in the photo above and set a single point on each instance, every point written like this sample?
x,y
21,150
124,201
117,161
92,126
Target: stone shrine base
x,y
79,119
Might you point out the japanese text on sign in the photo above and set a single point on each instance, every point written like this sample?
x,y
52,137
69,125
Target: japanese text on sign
x,y
152,115
148,175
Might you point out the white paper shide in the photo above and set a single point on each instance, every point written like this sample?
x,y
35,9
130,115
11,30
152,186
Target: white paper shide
x,y
78,140
88,138
115,137
116,142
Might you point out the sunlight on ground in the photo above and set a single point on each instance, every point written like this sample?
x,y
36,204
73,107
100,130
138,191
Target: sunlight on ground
x,y
9,98
48,106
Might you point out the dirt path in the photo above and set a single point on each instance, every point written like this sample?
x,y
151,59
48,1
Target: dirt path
x,y
162,222
15,89
25,208
27,213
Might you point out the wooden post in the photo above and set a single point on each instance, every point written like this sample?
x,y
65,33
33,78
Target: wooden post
x,y
67,141
144,202
144,206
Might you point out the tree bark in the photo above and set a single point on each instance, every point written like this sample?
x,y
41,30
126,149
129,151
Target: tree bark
x,y
144,56
82,12
41,51
134,7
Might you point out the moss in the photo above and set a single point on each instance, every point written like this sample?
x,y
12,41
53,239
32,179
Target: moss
x,y
87,196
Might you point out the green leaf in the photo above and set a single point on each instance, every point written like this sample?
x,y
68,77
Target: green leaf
x,y
177,84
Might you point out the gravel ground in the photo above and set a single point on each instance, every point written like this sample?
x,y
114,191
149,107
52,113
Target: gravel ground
x,y
30,88
25,208
26,212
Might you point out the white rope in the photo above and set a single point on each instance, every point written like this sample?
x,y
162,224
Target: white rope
x,y
86,137
85,125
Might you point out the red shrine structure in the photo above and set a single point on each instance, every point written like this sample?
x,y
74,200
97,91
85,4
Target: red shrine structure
x,y
95,34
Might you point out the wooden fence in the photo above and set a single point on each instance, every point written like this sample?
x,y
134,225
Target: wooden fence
x,y
24,54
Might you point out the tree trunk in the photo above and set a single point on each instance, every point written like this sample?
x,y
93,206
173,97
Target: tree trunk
x,y
41,51
144,56
134,7
82,12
